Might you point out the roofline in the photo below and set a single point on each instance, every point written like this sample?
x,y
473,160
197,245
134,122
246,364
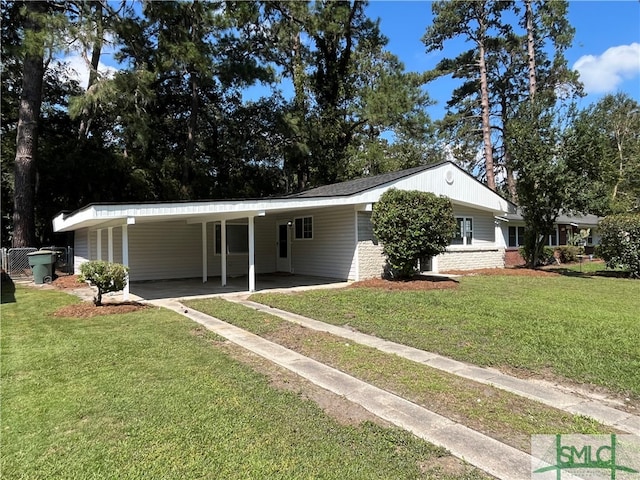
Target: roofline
x,y
408,173
246,205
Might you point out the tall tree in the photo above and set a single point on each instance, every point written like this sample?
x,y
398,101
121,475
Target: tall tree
x,y
478,22
27,131
349,92
518,63
605,149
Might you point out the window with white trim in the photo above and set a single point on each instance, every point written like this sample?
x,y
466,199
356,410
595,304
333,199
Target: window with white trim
x,y
464,231
303,228
237,239
516,236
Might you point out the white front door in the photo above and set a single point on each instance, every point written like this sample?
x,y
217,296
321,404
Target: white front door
x,y
283,247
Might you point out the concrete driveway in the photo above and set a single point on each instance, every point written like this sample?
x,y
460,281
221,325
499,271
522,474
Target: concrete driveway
x,y
193,287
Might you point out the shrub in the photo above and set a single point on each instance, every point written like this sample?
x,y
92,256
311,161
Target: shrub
x,y
620,242
412,225
105,276
547,256
569,253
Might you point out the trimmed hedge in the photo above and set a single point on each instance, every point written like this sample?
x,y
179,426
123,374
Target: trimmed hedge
x,y
412,225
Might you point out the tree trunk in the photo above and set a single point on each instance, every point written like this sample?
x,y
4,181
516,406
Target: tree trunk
x,y
531,53
511,180
27,134
486,121
85,121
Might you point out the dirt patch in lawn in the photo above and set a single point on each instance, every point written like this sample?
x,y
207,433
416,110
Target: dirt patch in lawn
x,y
516,272
89,310
66,282
420,282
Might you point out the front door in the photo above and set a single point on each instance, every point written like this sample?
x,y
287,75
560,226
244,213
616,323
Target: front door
x,y
283,247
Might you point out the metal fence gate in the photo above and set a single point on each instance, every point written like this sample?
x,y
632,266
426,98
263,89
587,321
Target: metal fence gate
x,y
15,261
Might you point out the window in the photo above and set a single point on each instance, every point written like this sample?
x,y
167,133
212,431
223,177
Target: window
x,y
516,236
464,231
303,228
237,239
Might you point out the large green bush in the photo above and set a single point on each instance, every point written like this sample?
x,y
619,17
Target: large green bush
x,y
105,276
620,242
412,225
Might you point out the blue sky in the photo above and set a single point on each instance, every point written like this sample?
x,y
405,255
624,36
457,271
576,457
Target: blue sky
x,y
606,46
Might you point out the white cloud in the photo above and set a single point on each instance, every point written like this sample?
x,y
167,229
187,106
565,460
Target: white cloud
x,y
80,69
603,73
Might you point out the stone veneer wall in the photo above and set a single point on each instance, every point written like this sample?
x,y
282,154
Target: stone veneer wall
x,y
370,260
471,259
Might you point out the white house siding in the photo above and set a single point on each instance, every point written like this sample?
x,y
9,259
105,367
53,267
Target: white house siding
x,y
330,253
265,233
484,231
80,249
483,253
165,250
238,264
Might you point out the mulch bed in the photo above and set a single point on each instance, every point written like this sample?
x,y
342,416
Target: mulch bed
x,y
516,272
88,309
420,282
427,282
65,282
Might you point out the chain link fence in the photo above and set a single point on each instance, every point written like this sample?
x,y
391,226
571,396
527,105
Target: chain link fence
x,y
15,261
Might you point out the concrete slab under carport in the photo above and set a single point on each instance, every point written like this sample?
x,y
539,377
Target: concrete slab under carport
x,y
194,287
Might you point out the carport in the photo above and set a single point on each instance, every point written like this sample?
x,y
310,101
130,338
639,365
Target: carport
x,y
194,287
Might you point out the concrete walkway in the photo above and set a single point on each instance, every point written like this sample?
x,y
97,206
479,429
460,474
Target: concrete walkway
x,y
540,391
486,453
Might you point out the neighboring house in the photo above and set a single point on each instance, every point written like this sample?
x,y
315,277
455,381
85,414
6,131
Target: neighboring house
x,y
324,232
564,227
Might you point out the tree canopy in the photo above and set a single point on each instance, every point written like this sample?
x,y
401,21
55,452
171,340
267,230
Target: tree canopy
x,y
225,99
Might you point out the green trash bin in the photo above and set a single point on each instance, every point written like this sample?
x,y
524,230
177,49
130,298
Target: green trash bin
x,y
41,263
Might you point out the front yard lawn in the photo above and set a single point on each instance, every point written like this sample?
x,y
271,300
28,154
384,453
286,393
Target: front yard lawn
x,y
586,329
504,416
150,394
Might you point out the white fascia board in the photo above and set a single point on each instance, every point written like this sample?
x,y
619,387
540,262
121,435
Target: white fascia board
x,y
194,212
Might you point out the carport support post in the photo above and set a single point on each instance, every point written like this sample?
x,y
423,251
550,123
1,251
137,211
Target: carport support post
x,y
125,258
110,244
99,244
252,255
223,252
204,252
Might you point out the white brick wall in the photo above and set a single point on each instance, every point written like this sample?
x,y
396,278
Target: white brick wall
x,y
371,260
471,259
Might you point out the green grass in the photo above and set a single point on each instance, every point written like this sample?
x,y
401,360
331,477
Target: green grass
x,y
151,395
502,415
584,328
